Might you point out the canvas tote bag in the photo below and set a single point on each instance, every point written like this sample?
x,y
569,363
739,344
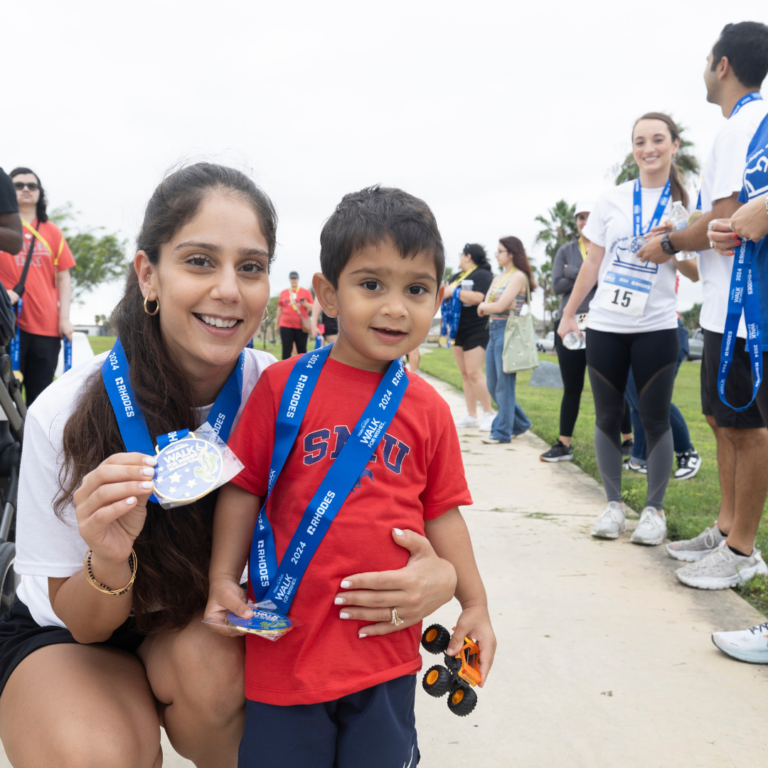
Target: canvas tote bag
x,y
519,352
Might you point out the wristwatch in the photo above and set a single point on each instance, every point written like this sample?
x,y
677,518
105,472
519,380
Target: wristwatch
x,y
667,246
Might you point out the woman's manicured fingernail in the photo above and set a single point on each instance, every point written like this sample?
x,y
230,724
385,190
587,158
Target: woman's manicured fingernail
x,y
151,460
343,615
735,236
147,472
398,532
146,484
131,500
339,601
346,584
362,636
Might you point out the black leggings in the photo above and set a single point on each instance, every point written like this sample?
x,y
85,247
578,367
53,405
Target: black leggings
x,y
573,366
38,358
290,335
653,359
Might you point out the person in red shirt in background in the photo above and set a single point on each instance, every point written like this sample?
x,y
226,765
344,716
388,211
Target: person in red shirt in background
x,y
333,693
44,317
293,317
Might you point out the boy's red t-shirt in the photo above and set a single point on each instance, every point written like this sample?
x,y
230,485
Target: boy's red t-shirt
x,y
290,317
40,310
416,474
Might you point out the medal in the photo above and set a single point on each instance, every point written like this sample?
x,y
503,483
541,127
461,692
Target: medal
x,y
636,243
695,216
187,469
264,623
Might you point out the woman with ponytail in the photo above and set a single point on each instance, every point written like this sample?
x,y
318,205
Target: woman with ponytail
x,y
104,642
633,321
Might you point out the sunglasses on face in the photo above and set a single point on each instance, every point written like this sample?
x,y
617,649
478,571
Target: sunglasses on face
x,y
32,186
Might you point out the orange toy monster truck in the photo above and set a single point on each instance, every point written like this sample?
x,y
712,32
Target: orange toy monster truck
x,y
459,675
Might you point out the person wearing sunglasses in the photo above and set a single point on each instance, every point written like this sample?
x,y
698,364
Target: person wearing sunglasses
x,y
39,285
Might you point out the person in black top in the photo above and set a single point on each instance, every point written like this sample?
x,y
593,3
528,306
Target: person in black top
x,y
473,283
10,221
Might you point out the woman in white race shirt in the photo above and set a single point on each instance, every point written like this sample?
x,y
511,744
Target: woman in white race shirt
x,y
632,322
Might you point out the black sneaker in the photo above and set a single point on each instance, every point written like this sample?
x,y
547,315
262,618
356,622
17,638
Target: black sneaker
x,y
626,448
638,466
558,452
688,464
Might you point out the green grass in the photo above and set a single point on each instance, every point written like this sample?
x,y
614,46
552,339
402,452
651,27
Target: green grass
x,y
101,344
690,505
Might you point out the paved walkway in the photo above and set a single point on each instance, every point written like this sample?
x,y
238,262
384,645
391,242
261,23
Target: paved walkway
x,y
604,658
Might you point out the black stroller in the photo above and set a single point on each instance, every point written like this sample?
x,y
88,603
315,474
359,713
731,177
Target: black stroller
x,y
13,412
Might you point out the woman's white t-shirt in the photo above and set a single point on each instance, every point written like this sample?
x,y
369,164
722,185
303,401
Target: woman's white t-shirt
x,y
610,226
46,546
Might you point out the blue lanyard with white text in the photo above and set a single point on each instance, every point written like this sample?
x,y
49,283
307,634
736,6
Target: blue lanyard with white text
x,y
637,208
744,296
130,419
15,346
67,354
279,585
754,96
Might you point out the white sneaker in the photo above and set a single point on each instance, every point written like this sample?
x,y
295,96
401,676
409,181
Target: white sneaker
x,y
722,569
611,523
490,440
695,549
652,528
487,421
749,645
468,421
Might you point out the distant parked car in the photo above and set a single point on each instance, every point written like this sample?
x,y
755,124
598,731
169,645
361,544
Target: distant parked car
x,y
547,344
696,345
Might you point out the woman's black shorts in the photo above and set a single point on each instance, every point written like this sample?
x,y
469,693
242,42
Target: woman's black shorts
x,y
331,325
21,635
472,337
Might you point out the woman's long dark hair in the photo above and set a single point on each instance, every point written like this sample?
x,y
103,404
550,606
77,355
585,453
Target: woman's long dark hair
x,y
41,211
174,546
679,192
479,257
516,250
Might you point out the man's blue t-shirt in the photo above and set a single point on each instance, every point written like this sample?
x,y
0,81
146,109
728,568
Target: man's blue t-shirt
x,y
756,185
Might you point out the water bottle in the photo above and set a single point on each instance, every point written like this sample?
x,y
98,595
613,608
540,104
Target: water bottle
x,y
574,342
679,218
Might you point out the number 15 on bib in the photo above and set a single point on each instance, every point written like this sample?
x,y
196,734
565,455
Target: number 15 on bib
x,y
624,294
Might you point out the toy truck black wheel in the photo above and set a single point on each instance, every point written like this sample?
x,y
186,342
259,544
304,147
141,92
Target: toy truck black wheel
x,y
435,639
436,681
461,701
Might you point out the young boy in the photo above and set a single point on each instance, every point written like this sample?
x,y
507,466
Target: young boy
x,y
323,694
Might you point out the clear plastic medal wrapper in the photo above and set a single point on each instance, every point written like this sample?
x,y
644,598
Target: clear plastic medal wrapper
x,y
269,624
192,467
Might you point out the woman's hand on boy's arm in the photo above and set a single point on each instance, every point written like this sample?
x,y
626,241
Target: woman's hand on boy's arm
x,y
475,622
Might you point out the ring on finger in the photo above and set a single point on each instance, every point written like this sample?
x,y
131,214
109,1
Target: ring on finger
x,y
396,620
731,226
711,244
711,225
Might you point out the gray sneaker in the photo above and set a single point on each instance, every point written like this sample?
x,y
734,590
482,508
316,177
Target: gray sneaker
x,y
611,523
652,528
694,549
722,569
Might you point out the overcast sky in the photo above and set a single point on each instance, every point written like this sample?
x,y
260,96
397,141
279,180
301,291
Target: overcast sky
x,y
490,111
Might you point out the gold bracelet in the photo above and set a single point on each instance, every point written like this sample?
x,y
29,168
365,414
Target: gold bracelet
x,y
133,562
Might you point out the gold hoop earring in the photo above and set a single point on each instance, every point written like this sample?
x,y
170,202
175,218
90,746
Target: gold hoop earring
x,y
157,308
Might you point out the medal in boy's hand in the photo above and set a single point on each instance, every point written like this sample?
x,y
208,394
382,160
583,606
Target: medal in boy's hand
x,y
268,624
187,469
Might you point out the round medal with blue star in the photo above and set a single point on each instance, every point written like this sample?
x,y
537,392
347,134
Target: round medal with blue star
x,y
187,470
636,243
261,623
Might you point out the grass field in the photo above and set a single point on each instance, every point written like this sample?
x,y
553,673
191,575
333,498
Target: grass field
x,y
690,505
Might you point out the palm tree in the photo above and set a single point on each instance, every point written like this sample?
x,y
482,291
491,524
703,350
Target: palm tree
x,y
557,230
685,162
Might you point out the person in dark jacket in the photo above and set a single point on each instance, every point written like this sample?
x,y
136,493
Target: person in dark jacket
x,y
573,362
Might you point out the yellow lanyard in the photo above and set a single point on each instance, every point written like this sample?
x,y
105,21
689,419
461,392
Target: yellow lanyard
x,y
50,250
499,289
292,298
463,276
582,248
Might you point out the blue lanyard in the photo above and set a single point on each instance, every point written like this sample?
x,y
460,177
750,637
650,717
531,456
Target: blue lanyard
x,y
279,585
67,354
637,208
130,419
698,202
754,96
16,340
743,296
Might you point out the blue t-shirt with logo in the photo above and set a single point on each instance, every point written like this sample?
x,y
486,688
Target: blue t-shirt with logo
x,y
756,185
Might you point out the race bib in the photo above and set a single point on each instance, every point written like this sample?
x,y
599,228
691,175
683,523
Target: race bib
x,y
624,294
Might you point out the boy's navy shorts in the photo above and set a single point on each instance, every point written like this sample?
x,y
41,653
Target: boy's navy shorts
x,y
374,727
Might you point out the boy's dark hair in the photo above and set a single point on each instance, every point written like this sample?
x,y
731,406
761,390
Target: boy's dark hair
x,y
373,215
41,210
745,45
